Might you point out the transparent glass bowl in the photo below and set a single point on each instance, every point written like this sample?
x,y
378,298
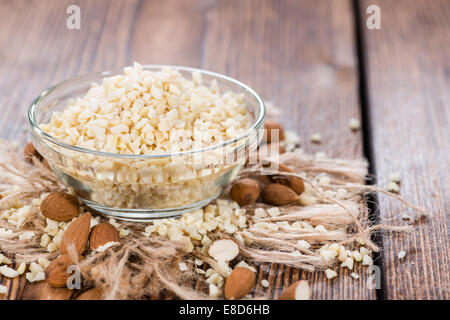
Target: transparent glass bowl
x,y
144,187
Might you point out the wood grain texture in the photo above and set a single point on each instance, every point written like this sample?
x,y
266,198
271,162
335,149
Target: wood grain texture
x,y
298,54
408,74
301,56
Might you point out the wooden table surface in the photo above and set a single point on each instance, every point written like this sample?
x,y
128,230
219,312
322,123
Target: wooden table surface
x,y
316,60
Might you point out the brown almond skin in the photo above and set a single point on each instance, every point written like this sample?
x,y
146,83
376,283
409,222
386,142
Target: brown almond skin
x,y
278,194
101,234
273,125
91,294
289,292
60,206
239,283
77,233
29,151
56,273
294,183
245,191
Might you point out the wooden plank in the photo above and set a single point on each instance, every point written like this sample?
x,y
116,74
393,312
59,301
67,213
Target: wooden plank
x,y
301,56
298,54
407,65
38,51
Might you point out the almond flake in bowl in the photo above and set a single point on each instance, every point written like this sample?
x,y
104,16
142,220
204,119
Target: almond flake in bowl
x,y
152,142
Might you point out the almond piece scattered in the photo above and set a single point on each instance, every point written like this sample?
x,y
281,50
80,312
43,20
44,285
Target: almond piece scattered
x,y
8,272
239,283
316,138
60,206
245,191
330,273
278,194
367,260
354,124
393,187
91,294
56,272
395,177
299,290
274,131
77,233
102,234
223,250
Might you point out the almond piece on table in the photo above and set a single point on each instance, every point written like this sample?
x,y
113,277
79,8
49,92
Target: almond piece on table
x,y
56,272
278,194
223,250
299,290
60,206
274,128
102,234
30,151
77,233
245,191
91,294
239,283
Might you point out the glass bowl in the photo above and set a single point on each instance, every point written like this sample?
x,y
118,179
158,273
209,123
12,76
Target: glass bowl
x,y
144,187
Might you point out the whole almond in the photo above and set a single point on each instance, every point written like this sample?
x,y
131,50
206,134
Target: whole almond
x,y
102,234
29,151
56,272
278,194
273,127
60,206
91,294
239,283
245,191
295,183
77,233
297,291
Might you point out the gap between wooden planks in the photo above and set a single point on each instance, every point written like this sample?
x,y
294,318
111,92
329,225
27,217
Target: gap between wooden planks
x,y
298,54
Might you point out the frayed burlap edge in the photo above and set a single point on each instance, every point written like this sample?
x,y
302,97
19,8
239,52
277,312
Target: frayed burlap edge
x,y
148,267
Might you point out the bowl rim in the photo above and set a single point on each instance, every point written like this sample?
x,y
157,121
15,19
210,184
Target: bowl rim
x,y
35,128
